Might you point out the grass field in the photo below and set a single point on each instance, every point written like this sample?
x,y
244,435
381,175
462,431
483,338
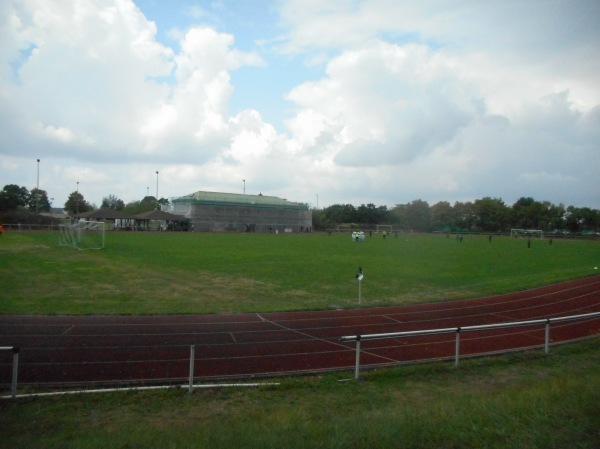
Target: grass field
x,y
166,273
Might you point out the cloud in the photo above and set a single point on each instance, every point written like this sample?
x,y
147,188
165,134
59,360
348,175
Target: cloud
x,y
390,103
403,100
92,76
507,40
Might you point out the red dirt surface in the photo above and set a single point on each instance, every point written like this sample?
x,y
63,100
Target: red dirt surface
x,y
118,350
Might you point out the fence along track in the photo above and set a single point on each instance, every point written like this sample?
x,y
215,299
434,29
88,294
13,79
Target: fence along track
x,y
457,331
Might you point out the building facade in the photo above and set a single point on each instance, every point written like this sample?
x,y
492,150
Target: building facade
x,y
222,212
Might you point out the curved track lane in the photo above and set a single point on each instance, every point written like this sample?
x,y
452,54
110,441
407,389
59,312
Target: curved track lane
x,y
65,350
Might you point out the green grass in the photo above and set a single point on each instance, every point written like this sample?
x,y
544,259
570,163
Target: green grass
x,y
156,273
525,400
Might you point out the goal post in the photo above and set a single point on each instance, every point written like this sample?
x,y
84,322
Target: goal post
x,y
83,235
381,227
527,233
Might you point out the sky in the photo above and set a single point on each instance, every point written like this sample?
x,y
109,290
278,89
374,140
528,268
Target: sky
x,y
336,102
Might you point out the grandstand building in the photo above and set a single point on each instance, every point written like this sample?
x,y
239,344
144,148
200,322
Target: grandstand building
x,y
213,211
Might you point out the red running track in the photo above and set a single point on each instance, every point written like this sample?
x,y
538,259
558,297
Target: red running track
x,y
85,350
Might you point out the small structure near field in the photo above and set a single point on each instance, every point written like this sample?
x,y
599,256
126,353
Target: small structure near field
x,y
215,211
162,221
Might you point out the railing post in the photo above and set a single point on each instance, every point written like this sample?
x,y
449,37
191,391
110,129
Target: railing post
x,y
547,337
192,359
15,372
457,350
357,368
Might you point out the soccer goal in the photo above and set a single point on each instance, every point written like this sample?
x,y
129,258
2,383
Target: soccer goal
x,y
82,234
527,233
387,228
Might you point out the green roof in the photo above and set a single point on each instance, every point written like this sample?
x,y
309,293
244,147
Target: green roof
x,y
238,199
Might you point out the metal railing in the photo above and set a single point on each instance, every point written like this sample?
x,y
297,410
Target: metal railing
x,y
15,366
23,227
458,330
190,386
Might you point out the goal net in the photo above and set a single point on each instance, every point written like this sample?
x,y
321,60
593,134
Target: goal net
x,y
82,234
527,233
387,228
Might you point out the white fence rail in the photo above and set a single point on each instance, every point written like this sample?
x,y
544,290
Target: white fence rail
x,y
457,330
15,366
190,386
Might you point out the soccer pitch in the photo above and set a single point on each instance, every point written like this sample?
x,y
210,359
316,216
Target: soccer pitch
x,y
172,273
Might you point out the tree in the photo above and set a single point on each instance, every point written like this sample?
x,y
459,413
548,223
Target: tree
x,y
339,213
582,219
554,216
465,215
317,220
38,201
528,213
12,197
370,214
443,216
76,204
147,204
112,202
491,214
414,215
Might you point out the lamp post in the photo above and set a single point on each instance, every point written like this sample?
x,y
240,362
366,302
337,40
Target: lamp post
x,y
157,203
244,186
77,200
37,193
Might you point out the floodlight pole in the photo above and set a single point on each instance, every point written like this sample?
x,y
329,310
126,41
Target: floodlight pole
x,y
37,193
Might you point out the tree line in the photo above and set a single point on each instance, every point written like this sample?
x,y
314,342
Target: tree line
x,y
20,205
482,215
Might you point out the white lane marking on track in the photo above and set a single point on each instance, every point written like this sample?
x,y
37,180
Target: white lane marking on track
x,y
392,319
323,339
68,330
262,319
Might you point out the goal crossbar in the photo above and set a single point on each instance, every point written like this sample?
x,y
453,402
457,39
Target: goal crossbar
x,y
527,233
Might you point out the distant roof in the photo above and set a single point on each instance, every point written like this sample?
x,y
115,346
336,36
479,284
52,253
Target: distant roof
x,y
105,213
157,215
238,199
